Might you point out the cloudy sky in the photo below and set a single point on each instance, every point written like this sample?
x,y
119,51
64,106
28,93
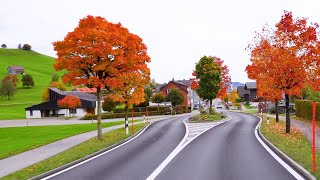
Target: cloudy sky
x,y
177,32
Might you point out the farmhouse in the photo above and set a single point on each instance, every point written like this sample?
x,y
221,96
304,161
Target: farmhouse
x,y
191,98
50,108
15,70
248,92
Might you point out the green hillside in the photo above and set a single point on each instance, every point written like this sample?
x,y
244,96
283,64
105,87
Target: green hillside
x,y
39,66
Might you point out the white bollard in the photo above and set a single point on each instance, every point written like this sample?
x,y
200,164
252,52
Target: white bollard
x,y
268,117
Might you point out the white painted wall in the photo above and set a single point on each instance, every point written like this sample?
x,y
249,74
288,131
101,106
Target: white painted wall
x,y
36,114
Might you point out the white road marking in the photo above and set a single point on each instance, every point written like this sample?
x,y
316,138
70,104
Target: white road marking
x,y
76,165
185,141
276,157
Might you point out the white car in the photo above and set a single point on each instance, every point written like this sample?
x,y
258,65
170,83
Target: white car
x,y
219,106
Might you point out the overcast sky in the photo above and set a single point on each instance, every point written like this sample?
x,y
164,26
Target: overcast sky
x,y
177,32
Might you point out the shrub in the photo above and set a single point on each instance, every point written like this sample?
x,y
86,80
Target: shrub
x,y
167,110
304,110
118,110
272,110
238,100
89,116
26,47
184,108
211,111
108,104
27,80
178,110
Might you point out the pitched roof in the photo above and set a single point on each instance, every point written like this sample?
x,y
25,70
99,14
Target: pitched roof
x,y
185,82
80,95
16,67
251,85
178,84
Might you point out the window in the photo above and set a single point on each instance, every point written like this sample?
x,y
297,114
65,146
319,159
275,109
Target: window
x,y
73,111
168,90
31,113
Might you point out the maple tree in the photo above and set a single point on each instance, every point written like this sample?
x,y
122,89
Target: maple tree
x,y
69,102
233,96
13,78
96,53
131,89
289,58
207,81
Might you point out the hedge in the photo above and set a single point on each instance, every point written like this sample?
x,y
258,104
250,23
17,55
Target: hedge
x,y
304,110
140,109
120,115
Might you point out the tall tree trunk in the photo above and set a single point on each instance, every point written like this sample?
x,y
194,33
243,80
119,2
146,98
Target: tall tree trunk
x,y
210,102
287,113
126,120
99,114
277,110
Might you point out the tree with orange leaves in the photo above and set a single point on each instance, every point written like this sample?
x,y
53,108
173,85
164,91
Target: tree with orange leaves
x,y
69,102
287,59
131,90
96,53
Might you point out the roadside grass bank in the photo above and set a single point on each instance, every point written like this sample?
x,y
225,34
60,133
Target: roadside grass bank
x,y
15,140
200,118
72,154
295,144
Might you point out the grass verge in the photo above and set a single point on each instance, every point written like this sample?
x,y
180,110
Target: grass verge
x,y
206,118
15,140
74,153
295,144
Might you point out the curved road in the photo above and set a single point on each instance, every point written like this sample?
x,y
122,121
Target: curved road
x,y
136,159
227,151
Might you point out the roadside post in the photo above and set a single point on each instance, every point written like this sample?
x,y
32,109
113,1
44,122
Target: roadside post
x,y
261,114
268,117
144,118
147,115
132,121
314,107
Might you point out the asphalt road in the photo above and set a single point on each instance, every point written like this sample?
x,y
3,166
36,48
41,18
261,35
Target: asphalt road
x,y
136,159
228,151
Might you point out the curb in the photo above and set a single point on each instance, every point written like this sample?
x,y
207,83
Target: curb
x,y
224,119
286,158
48,173
281,154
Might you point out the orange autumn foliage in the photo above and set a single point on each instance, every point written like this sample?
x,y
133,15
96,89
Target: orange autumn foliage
x,y
97,51
69,102
97,54
131,89
286,60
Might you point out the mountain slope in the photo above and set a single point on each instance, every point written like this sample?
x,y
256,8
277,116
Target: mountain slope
x,y
39,66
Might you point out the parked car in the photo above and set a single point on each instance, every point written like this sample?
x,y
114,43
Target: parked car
x,y
219,106
196,107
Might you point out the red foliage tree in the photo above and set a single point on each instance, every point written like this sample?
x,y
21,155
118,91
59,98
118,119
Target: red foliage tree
x,y
287,59
96,53
69,102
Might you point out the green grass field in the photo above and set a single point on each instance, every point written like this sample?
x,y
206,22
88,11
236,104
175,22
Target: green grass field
x,y
15,140
72,154
295,144
39,66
